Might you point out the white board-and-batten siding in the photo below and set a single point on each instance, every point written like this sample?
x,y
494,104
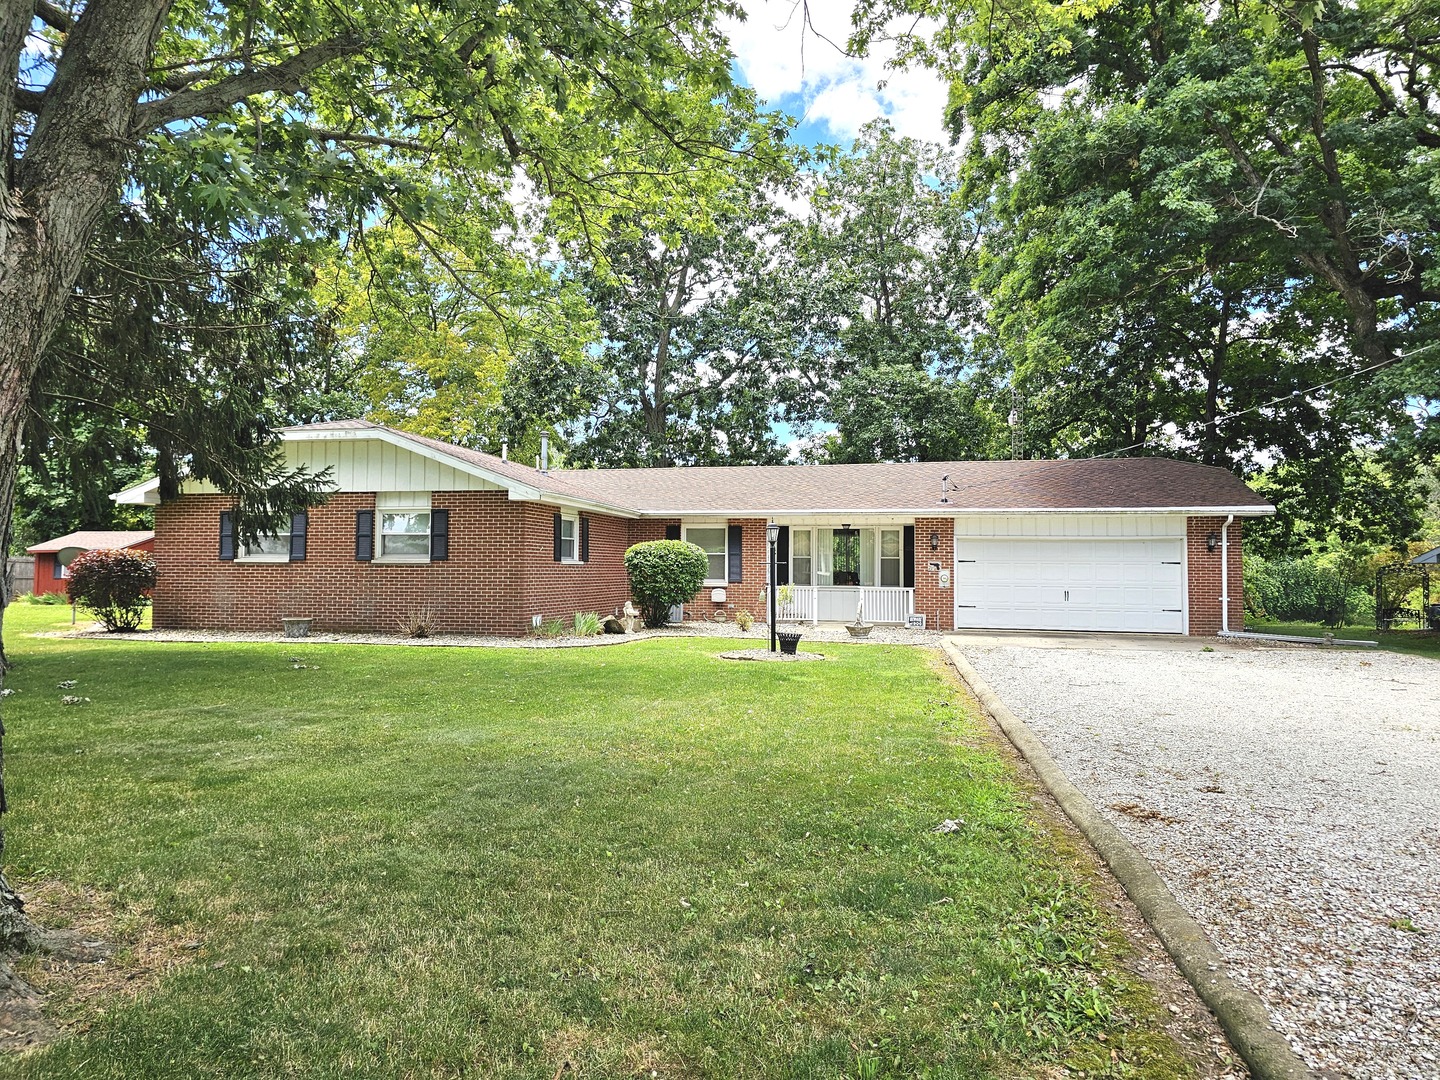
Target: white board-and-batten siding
x,y
1041,526
371,465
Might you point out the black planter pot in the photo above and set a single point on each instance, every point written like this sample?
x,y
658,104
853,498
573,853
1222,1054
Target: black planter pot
x,y
788,639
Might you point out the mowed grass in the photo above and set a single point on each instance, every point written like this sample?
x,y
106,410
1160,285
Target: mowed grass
x,y
1416,642
641,860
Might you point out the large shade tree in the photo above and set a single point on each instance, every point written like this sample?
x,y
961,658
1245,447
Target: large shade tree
x,y
314,117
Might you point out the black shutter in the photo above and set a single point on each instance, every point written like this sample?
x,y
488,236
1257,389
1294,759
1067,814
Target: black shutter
x,y
557,538
227,537
672,532
584,539
782,556
299,523
736,538
907,546
439,535
364,535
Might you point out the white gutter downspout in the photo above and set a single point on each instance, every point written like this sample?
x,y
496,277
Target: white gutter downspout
x,y
1225,575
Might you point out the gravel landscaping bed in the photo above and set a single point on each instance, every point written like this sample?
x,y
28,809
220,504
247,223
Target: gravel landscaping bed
x,y
1290,798
880,635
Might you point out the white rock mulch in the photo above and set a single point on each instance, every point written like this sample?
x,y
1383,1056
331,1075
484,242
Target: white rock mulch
x,y
834,632
1291,801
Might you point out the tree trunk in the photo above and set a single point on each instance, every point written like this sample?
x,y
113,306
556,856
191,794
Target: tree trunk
x,y
49,205
1210,452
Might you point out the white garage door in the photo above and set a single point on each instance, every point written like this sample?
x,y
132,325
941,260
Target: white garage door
x,y
1132,585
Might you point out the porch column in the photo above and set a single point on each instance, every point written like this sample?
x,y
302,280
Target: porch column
x,y
934,601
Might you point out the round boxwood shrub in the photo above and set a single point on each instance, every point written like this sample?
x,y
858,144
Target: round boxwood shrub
x,y
664,573
114,586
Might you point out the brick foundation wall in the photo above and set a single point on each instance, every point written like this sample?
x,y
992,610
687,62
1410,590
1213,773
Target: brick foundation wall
x,y
937,604
1204,584
500,573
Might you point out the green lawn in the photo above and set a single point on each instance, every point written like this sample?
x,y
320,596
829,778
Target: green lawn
x,y
643,860
1420,643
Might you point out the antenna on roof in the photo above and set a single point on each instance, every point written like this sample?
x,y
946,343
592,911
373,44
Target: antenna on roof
x,y
945,488
1017,429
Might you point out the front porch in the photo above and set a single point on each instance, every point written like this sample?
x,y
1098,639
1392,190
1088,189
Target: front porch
x,y
838,603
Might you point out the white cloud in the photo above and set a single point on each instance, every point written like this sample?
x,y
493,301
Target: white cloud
x,y
799,68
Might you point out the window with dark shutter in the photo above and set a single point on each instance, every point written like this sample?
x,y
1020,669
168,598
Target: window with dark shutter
x,y
584,539
227,537
439,535
736,537
782,556
559,537
908,544
672,532
299,526
364,535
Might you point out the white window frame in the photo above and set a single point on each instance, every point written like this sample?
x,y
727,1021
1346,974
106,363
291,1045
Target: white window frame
x,y
381,532
898,558
808,557
724,551
573,520
244,554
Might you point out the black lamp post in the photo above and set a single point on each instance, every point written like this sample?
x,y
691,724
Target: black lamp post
x,y
772,534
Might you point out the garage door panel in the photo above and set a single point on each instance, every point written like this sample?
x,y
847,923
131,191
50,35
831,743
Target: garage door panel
x,y
1025,583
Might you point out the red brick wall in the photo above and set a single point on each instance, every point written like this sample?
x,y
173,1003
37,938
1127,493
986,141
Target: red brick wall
x,y
935,603
500,573
1204,584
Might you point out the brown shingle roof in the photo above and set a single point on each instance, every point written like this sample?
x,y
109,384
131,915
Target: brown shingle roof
x,y
1101,484
1145,483
92,540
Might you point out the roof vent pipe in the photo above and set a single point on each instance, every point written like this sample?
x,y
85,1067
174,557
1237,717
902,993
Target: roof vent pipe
x,y
504,451
544,452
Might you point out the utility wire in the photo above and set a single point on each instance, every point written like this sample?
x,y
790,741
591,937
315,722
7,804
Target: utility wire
x,y
1279,400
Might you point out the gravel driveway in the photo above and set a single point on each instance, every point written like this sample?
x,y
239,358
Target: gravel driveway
x,y
1290,798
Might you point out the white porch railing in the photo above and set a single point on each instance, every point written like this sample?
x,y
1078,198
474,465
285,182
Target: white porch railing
x,y
836,603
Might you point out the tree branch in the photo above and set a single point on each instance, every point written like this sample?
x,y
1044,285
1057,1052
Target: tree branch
x,y
287,76
53,16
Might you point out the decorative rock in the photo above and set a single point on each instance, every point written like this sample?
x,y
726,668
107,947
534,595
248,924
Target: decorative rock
x,y
615,625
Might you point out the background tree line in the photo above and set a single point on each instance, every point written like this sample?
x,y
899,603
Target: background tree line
x,y
1163,229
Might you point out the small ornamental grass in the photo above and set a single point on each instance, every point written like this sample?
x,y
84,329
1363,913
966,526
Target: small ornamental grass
x,y
664,573
114,586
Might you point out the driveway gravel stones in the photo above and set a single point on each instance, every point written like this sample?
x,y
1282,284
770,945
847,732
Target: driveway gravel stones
x,y
1290,799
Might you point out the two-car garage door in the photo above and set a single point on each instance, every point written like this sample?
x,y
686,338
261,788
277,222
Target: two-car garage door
x,y
1134,584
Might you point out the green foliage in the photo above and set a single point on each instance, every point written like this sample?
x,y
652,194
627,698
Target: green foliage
x,y
664,573
588,624
50,598
1304,590
689,359
901,413
552,628
114,586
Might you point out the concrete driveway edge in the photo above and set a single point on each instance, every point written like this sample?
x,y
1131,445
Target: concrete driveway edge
x,y
1240,1012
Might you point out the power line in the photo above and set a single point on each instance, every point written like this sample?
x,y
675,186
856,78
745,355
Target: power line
x,y
1280,400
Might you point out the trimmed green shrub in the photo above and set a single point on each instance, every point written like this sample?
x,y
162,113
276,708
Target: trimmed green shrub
x,y
114,586
664,573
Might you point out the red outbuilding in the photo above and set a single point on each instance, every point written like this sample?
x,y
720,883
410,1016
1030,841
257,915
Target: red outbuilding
x,y
53,556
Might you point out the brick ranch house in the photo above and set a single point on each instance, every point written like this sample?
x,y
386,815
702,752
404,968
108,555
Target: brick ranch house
x,y
490,545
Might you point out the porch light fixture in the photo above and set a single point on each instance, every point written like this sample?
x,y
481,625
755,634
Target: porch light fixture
x,y
1212,541
772,535
934,541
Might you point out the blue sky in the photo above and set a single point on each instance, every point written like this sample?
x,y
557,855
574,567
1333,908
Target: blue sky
x,y
833,95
